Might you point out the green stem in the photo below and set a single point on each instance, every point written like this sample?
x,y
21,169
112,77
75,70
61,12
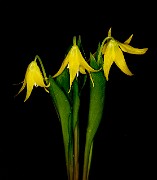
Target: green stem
x,y
86,161
76,152
102,45
71,152
42,67
76,105
71,172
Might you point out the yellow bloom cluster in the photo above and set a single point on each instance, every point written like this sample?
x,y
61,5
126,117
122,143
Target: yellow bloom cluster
x,y
112,51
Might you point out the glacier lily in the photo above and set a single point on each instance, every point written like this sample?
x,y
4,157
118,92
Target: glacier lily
x,y
76,63
33,77
112,51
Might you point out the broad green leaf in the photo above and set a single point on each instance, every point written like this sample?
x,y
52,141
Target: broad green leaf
x,y
63,109
97,99
63,81
96,105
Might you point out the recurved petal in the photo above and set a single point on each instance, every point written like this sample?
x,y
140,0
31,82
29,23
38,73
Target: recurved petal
x,y
129,49
82,62
30,85
63,66
22,88
128,40
120,62
86,66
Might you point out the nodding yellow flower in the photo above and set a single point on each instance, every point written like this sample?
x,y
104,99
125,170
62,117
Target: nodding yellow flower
x,y
112,51
76,63
33,77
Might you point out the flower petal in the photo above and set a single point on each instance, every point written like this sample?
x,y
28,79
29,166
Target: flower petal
x,y
63,66
109,57
73,69
86,66
82,70
30,85
129,49
74,63
22,88
120,62
83,63
38,78
128,40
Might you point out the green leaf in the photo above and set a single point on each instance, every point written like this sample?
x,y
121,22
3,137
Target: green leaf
x,y
89,160
100,62
96,106
63,109
97,99
63,81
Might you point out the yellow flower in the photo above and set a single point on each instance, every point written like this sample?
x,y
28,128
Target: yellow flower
x,y
33,77
112,51
76,63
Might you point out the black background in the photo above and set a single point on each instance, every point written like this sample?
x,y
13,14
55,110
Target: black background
x,y
31,144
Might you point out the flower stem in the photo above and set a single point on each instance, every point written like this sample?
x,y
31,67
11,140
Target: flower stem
x,y
101,47
76,152
42,67
86,161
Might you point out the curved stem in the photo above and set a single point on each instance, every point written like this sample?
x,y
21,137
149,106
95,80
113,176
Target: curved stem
x,y
102,44
42,67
